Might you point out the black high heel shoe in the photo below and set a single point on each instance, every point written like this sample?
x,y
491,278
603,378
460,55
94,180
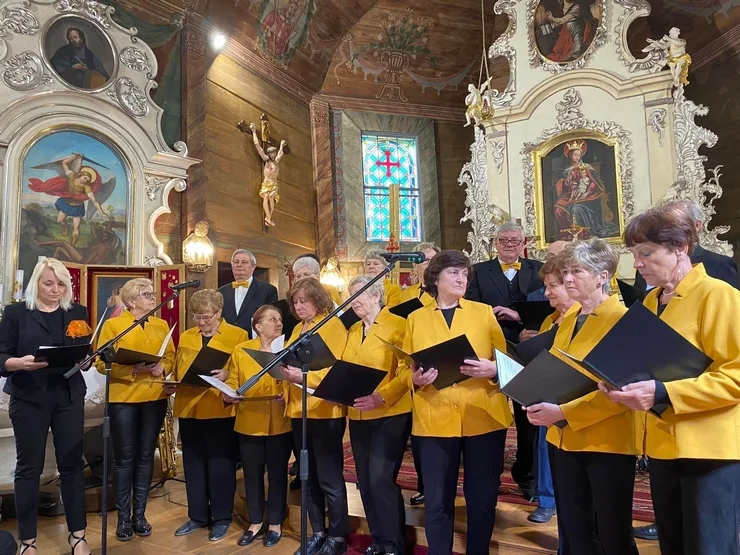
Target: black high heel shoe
x,y
76,543
26,546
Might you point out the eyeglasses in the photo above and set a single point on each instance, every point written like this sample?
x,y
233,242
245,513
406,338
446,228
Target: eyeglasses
x,y
149,295
203,318
512,242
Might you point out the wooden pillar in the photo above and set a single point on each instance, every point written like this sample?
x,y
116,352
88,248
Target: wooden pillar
x,y
323,177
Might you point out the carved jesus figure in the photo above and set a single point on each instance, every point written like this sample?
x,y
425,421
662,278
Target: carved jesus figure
x,y
269,189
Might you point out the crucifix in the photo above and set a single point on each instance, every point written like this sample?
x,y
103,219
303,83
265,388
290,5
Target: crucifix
x,y
394,231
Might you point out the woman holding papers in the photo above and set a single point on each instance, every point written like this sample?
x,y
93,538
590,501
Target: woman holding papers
x,y
468,418
138,404
594,454
40,397
206,425
379,424
265,435
693,444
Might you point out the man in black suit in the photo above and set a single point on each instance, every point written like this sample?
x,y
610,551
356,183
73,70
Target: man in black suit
x,y
500,283
245,295
717,266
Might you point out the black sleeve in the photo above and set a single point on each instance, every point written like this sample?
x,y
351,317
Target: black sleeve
x,y
272,296
8,339
727,271
473,293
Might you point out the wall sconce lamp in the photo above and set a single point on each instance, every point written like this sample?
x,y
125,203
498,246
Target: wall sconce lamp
x,y
330,274
197,249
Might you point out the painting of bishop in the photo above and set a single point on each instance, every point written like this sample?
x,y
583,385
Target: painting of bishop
x,y
74,201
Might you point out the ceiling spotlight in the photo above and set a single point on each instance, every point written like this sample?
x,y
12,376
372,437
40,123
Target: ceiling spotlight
x,y
218,41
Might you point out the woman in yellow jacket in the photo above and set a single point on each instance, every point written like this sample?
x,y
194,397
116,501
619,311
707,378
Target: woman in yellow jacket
x,y
380,423
206,425
594,455
693,444
469,418
265,435
374,264
137,404
310,303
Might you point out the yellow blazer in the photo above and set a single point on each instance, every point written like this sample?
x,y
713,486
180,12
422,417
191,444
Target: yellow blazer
x,y
392,295
412,292
374,353
334,335
124,386
472,407
198,402
704,420
333,293
549,322
594,422
256,418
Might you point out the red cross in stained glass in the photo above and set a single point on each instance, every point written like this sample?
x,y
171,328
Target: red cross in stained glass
x,y
387,163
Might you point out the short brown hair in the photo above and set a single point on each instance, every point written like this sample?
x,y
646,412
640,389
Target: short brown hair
x,y
204,300
552,267
262,311
665,225
445,259
314,292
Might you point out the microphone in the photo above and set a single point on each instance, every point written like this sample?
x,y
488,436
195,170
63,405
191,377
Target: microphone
x,y
186,285
413,257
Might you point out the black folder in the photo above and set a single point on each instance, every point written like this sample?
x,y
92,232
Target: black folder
x,y
322,358
526,351
61,357
207,360
630,294
533,313
642,347
446,357
263,358
349,318
405,308
289,321
127,357
347,381
548,379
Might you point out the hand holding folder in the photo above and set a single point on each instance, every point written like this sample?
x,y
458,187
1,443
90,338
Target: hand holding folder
x,y
347,381
129,357
61,357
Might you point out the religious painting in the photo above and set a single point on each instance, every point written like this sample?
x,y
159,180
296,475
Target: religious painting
x,y
104,286
79,52
565,29
283,26
74,201
578,189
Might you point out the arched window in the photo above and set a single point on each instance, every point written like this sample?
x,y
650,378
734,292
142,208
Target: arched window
x,y
388,159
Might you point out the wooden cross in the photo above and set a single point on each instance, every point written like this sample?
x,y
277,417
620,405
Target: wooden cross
x,y
264,134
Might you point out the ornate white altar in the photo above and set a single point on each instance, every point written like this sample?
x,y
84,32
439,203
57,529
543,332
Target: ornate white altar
x,y
594,115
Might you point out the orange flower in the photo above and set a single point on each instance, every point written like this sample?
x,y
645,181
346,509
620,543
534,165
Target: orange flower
x,y
78,328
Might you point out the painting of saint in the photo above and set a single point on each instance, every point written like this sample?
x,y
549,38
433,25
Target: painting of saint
x,y
79,53
74,201
579,185
283,26
565,29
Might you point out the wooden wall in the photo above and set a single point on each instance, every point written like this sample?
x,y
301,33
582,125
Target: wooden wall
x,y
453,150
234,169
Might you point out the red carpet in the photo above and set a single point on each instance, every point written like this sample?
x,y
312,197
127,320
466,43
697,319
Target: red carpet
x,y
358,543
642,505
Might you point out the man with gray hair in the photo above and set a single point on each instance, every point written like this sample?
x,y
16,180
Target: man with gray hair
x,y
244,295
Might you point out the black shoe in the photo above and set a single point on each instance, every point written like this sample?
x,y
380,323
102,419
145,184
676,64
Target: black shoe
x,y
313,545
295,484
541,515
142,528
649,532
124,531
188,528
375,549
417,499
528,492
218,532
333,547
249,537
272,538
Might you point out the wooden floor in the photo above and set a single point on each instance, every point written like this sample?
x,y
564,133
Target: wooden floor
x,y
514,535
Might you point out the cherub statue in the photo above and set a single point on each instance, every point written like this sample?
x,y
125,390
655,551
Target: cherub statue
x,y
674,50
477,111
269,189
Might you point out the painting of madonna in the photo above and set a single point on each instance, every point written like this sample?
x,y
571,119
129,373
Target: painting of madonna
x,y
577,202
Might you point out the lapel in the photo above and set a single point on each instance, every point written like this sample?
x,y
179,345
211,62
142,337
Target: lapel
x,y
524,275
36,315
439,324
499,279
251,292
696,274
595,328
229,304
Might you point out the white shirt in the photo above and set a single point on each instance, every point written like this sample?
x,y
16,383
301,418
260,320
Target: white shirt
x,y
240,294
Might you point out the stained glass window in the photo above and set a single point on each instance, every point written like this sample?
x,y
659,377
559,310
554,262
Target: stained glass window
x,y
388,159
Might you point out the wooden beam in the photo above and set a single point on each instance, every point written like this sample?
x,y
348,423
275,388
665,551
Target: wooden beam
x,y
439,113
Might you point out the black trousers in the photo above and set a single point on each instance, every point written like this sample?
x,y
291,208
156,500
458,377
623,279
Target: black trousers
x,y
135,428
483,462
697,506
31,423
326,488
209,460
417,464
378,447
523,469
593,496
272,452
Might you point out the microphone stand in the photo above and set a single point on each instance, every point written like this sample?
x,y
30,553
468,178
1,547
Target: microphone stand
x,y
107,353
302,350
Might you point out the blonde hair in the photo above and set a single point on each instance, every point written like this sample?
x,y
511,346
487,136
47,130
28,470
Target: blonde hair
x,y
133,288
206,299
32,291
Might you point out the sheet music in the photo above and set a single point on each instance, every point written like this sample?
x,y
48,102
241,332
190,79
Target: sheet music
x,y
278,344
166,341
221,386
508,368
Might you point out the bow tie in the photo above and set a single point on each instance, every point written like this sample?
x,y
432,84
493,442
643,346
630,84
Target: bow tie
x,y
236,284
511,266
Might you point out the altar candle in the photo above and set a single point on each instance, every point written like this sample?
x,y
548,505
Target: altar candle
x,y
18,287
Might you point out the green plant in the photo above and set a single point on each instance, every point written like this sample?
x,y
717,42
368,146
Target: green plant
x,y
408,37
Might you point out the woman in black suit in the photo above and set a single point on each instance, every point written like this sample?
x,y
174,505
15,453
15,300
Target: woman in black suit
x,y
40,397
